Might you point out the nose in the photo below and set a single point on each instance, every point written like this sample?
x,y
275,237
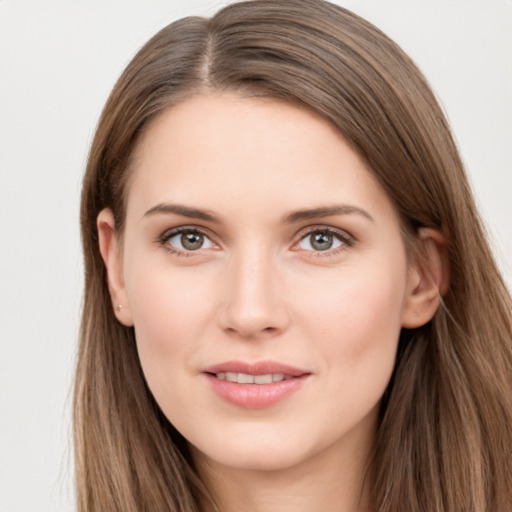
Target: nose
x,y
254,299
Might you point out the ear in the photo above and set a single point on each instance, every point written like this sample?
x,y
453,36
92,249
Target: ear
x,y
112,257
428,280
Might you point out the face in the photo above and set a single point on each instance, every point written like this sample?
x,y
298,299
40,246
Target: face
x,y
265,275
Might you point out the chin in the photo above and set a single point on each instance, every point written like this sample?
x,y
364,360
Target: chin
x,y
252,457
272,447
258,447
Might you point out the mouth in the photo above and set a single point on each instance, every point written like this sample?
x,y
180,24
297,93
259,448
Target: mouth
x,y
246,378
255,386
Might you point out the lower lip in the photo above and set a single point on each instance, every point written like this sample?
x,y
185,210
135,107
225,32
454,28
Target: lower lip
x,y
255,396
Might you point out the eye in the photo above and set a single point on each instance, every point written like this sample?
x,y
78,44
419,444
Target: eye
x,y
321,240
186,240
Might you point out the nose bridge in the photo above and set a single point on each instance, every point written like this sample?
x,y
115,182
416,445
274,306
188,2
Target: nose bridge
x,y
254,304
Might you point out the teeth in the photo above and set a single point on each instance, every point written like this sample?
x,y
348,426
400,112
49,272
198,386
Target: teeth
x,y
263,379
244,378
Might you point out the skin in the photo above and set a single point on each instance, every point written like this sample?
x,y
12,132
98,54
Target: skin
x,y
259,290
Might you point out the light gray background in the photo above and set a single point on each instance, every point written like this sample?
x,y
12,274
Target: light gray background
x,y
58,61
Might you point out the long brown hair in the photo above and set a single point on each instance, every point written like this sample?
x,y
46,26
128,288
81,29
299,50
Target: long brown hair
x,y
444,441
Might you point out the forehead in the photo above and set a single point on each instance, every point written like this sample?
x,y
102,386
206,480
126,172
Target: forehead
x,y
229,152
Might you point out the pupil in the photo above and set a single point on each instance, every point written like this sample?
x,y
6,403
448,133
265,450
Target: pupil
x,y
321,241
192,241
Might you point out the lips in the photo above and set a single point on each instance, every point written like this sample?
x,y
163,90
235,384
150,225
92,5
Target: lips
x,y
245,378
255,386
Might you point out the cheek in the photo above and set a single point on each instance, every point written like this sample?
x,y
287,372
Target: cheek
x,y
169,318
160,295
357,324
169,312
358,336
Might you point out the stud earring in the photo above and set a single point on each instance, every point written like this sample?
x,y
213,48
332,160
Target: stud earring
x,y
118,307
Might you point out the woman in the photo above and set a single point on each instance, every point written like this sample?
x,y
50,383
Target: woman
x,y
289,300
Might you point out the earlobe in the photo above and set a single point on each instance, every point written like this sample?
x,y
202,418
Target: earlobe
x,y
112,257
428,281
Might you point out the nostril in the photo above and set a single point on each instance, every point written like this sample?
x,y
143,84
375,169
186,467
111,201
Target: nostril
x,y
252,332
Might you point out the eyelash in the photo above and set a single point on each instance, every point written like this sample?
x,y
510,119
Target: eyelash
x,y
346,240
342,236
167,235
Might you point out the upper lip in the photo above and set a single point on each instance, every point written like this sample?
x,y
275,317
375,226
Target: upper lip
x,y
258,368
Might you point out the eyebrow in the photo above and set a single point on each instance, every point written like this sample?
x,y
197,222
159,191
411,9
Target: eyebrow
x,y
290,218
184,211
325,211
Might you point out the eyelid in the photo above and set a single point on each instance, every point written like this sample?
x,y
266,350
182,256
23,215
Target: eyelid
x,y
347,239
164,238
344,236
